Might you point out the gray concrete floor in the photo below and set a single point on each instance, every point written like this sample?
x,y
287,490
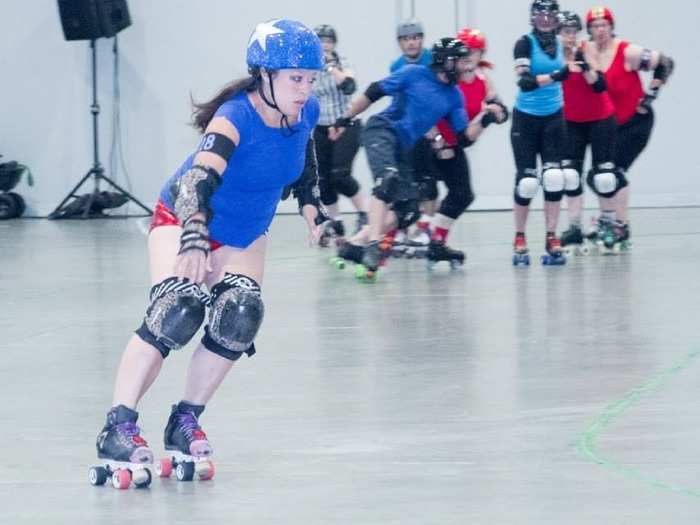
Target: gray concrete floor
x,y
491,395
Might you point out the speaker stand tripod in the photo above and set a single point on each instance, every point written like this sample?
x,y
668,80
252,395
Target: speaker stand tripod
x,y
97,172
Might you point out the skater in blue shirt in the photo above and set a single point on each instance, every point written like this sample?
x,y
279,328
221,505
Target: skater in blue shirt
x,y
210,228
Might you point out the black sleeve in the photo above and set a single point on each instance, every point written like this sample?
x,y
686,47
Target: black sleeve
x,y
599,85
374,92
305,189
523,48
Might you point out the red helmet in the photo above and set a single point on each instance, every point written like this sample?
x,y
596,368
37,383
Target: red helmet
x,y
599,12
472,38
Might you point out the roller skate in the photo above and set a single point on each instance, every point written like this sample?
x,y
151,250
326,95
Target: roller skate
x,y
609,236
333,233
362,221
625,242
348,252
573,241
124,453
187,445
398,248
554,255
521,254
417,245
439,251
371,260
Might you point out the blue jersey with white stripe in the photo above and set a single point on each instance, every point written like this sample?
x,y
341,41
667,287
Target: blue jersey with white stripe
x,y
265,161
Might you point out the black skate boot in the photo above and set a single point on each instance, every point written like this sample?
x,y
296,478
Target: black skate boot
x,y
186,444
333,232
348,252
572,241
124,452
371,260
439,251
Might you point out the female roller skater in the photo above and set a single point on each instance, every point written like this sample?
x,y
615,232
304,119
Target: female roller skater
x,y
590,119
622,62
333,88
451,161
210,228
538,127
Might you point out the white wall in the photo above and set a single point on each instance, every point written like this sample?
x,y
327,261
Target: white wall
x,y
178,47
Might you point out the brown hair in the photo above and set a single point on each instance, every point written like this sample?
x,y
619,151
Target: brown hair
x,y
203,112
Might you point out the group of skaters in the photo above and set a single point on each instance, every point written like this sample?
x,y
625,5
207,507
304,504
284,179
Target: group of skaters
x,y
572,92
208,236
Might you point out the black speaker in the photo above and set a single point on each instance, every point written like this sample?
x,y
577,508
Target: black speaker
x,y
113,15
92,19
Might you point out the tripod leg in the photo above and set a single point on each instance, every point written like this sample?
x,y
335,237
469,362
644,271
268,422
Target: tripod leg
x,y
54,214
126,194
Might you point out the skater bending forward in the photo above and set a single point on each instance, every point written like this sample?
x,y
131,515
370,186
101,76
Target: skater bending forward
x,y
421,97
210,228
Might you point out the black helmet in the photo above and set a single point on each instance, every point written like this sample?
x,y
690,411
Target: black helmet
x,y
570,19
543,6
444,56
326,31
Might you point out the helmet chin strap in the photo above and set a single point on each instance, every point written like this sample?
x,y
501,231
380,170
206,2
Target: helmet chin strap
x,y
284,121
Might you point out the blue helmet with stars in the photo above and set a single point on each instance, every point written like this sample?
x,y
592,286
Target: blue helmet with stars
x,y
284,44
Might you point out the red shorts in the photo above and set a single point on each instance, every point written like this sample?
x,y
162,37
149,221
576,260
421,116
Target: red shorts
x,y
164,216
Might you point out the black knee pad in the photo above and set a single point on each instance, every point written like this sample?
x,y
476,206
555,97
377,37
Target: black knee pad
x,y
407,212
344,182
235,317
328,194
175,314
427,189
622,182
387,185
455,203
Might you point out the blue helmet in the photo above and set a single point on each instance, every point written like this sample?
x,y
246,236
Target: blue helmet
x,y
284,44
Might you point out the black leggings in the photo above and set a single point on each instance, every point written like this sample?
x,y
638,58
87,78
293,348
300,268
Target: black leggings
x,y
530,136
455,174
600,134
335,160
632,138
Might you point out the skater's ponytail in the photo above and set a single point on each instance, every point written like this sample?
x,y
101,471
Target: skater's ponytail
x,y
203,112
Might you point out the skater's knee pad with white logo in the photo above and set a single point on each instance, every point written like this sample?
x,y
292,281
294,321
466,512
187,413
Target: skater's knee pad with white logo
x,y
572,179
176,312
235,317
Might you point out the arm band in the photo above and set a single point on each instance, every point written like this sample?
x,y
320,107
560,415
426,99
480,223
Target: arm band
x,y
645,60
348,86
374,92
218,144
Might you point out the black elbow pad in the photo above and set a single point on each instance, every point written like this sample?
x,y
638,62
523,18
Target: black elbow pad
x,y
348,86
527,82
374,92
664,69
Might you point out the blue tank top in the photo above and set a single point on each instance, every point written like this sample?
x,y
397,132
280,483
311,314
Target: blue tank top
x,y
265,161
545,100
420,100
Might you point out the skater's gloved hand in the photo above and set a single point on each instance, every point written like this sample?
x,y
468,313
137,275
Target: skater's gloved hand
x,y
193,259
